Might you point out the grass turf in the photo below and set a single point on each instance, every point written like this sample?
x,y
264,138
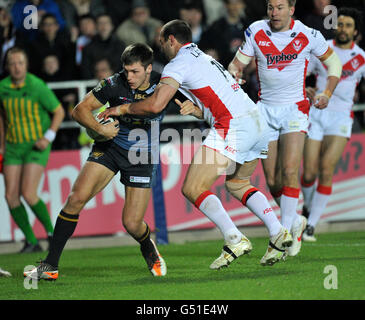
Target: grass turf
x,y
121,273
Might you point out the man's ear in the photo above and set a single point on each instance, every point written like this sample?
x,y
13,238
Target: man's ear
x,y
149,69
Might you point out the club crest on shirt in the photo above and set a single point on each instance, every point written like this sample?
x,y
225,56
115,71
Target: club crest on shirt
x,y
355,63
297,44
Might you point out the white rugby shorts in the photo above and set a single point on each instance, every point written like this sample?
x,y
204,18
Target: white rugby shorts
x,y
246,139
329,123
283,119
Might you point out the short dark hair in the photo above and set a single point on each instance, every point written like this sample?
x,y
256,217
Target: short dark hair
x,y
179,29
48,15
138,52
86,16
354,14
291,3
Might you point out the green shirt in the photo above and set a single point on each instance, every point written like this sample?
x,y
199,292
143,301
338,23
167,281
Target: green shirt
x,y
27,108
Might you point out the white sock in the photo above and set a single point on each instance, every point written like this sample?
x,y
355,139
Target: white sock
x,y
260,206
289,203
212,207
308,191
319,203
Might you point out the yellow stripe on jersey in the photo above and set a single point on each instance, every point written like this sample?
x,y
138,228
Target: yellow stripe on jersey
x,y
17,120
38,120
31,120
25,122
11,121
8,135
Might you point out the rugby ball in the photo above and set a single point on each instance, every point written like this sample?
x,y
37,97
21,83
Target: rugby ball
x,y
96,136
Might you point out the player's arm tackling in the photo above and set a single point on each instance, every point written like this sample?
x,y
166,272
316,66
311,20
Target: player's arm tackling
x,y
164,92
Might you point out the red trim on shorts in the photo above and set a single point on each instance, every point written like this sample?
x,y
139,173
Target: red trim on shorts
x,y
291,192
211,148
324,189
244,198
306,185
352,115
201,198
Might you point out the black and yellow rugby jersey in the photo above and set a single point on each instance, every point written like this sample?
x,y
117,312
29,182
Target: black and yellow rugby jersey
x,y
27,108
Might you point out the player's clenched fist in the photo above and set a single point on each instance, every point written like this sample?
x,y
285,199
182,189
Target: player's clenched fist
x,y
109,130
321,101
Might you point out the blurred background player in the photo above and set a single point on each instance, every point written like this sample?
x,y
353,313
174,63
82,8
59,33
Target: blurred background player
x,y
30,131
135,82
330,129
238,137
282,47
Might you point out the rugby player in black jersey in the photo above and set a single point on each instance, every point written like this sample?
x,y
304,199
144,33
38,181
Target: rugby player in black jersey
x,y
135,82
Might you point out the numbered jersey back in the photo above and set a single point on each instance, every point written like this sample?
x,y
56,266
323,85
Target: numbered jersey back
x,y
208,84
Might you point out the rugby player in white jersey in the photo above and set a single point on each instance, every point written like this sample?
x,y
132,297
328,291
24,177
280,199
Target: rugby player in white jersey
x,y
281,47
330,129
238,137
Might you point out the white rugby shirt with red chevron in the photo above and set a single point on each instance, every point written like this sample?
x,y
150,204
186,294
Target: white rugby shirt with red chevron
x,y
282,59
353,62
205,82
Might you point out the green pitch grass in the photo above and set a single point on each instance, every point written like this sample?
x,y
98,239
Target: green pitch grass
x,y
121,273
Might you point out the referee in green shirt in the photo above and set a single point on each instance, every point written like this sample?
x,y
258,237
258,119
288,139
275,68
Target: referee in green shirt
x,y
25,144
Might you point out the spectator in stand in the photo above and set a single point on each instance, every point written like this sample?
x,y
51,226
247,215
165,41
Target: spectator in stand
x,y
316,18
51,69
165,10
104,45
192,12
140,27
224,36
69,13
9,36
87,27
93,7
43,7
214,10
52,41
118,10
103,70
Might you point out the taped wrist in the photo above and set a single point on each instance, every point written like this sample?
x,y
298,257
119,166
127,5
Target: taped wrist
x,y
50,135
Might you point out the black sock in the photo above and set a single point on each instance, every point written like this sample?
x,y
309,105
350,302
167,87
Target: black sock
x,y
145,241
65,227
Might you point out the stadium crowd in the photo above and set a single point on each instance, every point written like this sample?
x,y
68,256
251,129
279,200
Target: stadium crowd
x,y
83,39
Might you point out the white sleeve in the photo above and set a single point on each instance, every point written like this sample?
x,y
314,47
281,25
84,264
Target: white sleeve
x,y
318,43
176,70
247,47
312,65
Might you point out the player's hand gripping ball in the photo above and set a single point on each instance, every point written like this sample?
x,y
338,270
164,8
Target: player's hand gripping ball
x,y
95,135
